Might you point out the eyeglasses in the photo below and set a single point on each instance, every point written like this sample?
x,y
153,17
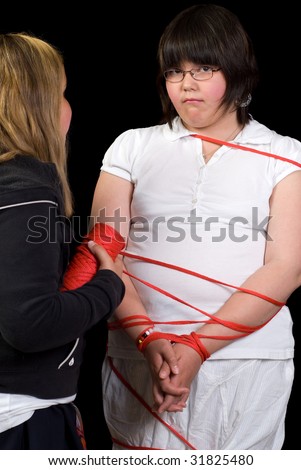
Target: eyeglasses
x,y
177,75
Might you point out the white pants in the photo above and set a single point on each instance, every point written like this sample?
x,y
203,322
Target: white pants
x,y
233,404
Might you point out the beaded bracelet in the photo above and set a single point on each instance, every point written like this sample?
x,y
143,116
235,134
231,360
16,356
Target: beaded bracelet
x,y
145,333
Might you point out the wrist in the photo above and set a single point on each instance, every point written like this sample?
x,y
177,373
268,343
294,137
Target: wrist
x,y
142,336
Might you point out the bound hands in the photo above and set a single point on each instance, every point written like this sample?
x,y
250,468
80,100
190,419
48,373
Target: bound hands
x,y
173,367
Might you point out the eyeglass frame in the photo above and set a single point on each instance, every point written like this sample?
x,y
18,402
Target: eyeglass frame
x,y
191,71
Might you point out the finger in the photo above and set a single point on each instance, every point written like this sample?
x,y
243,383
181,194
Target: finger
x,y
104,259
169,404
175,408
164,371
170,388
180,405
170,363
158,396
184,398
98,250
174,404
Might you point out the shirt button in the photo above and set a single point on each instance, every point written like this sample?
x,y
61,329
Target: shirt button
x,y
71,362
194,201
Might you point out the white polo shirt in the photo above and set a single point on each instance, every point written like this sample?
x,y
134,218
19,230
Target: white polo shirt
x,y
208,218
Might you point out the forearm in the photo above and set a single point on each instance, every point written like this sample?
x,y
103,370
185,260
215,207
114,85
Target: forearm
x,y
276,280
131,306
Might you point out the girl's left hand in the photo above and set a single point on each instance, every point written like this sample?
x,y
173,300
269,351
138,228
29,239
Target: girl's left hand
x,y
163,364
165,399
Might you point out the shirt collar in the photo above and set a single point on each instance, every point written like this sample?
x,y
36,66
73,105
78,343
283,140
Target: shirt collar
x,y
253,133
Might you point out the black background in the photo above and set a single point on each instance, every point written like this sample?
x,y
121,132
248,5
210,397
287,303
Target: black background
x,y
110,59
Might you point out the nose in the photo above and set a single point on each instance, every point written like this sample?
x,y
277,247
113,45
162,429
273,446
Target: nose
x,y
188,81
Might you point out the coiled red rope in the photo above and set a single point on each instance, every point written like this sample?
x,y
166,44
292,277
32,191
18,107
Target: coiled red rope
x,y
83,266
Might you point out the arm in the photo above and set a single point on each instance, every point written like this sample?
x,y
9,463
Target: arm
x,y
277,278
111,205
281,273
33,246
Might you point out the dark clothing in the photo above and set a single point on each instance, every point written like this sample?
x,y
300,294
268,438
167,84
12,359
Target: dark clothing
x,y
60,433
41,328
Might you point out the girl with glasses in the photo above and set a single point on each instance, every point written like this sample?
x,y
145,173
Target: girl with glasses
x,y
200,351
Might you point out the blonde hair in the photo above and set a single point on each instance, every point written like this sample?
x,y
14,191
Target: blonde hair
x,y
32,74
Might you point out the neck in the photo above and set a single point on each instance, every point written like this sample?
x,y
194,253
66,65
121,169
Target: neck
x,y
209,148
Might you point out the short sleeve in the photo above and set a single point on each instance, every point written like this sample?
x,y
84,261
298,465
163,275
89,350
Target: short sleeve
x,y
119,157
289,149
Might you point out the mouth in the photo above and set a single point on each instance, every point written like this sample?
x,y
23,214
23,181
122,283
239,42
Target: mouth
x,y
192,100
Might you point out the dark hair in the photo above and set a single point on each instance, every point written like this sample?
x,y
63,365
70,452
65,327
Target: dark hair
x,y
209,34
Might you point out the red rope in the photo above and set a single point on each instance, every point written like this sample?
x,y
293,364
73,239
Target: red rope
x,y
234,326
146,405
84,266
248,149
201,276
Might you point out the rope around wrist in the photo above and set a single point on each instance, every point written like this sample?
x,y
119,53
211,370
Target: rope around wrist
x,y
192,340
198,346
152,337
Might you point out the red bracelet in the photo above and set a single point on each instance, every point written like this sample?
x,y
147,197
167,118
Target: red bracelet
x,y
153,335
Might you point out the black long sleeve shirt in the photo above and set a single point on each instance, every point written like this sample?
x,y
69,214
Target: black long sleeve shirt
x,y
41,328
